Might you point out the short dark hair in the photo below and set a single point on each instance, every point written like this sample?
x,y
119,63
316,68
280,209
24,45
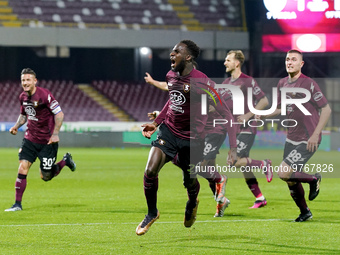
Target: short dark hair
x,y
295,51
193,49
28,71
238,55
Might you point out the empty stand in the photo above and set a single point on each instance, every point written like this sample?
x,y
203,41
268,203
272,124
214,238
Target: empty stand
x,y
76,105
144,12
135,99
135,14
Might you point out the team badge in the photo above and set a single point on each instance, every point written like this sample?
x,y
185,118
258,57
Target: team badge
x,y
161,142
256,91
186,88
318,96
35,103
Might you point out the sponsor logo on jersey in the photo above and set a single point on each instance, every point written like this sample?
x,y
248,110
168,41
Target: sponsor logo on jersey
x,y
186,88
318,96
177,97
30,111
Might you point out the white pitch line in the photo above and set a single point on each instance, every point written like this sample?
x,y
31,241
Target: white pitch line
x,y
133,223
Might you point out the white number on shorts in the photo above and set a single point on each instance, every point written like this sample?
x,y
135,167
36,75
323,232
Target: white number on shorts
x,y
48,162
240,146
294,156
207,148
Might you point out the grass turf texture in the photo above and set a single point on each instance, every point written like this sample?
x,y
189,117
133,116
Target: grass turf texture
x,y
96,209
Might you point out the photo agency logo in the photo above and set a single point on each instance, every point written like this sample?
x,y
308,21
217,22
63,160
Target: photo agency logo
x,y
287,101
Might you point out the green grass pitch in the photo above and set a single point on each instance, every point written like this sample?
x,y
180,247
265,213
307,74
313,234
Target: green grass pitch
x,y
96,209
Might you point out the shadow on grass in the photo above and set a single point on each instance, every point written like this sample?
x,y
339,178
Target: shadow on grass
x,y
230,244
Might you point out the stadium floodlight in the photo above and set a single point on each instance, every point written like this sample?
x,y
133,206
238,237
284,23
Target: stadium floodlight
x,y
145,51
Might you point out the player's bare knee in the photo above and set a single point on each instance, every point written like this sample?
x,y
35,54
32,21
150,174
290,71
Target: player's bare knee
x,y
23,169
284,172
238,163
150,171
283,175
241,161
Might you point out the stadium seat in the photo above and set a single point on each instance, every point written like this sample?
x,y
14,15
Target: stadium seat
x,y
78,107
136,99
131,14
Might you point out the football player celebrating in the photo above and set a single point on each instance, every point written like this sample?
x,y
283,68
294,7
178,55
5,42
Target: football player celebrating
x,y
304,135
44,118
181,132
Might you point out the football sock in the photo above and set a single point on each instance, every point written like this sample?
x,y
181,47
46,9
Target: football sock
x,y
302,177
254,187
150,191
57,169
298,194
254,162
20,186
61,164
260,198
210,173
193,191
212,186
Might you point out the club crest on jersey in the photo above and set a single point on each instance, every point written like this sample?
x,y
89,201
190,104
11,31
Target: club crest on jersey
x,y
186,88
256,91
35,103
161,142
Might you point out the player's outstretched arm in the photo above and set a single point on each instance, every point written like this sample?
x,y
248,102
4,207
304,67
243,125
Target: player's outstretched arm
x,y
58,119
275,113
159,84
21,121
312,143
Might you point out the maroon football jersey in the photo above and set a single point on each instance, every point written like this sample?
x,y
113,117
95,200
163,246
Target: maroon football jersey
x,y
306,124
39,109
244,82
183,110
225,95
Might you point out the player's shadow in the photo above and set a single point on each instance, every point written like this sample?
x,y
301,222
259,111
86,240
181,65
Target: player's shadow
x,y
242,240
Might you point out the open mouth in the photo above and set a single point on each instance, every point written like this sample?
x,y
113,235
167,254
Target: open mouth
x,y
173,63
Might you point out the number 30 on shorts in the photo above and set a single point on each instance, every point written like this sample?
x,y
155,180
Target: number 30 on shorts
x,y
48,162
